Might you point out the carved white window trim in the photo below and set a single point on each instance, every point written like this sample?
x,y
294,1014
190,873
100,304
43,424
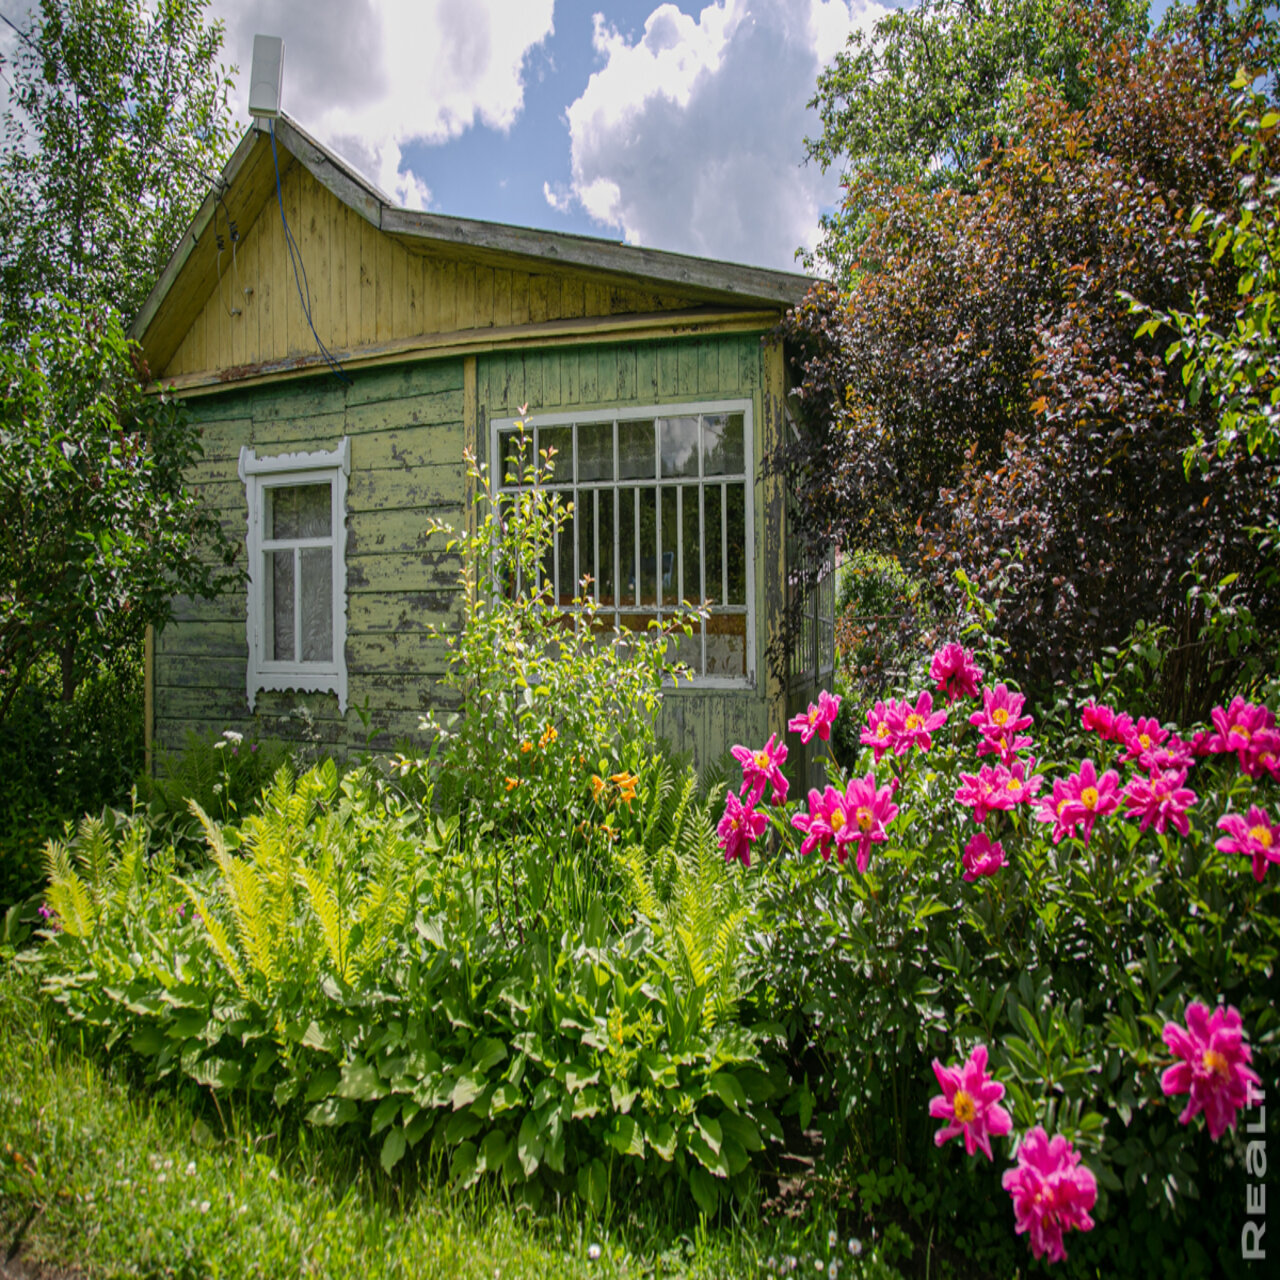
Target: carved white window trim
x,y
258,475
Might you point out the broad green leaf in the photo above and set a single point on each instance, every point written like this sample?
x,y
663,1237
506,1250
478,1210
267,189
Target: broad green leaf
x,y
393,1148
361,1082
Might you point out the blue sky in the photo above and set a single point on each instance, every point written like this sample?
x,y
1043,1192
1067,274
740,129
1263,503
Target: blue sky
x,y
677,124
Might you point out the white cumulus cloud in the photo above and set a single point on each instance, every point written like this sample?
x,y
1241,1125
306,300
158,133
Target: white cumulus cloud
x,y
691,136
369,76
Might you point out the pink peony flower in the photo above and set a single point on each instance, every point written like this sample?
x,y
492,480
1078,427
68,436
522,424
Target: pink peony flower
x,y
1262,755
1081,798
1173,754
763,768
1253,836
954,672
867,811
1143,737
1214,1068
982,857
882,727
1098,718
968,1103
815,837
740,825
1052,1192
998,787
1001,713
1160,799
1237,725
916,726
817,719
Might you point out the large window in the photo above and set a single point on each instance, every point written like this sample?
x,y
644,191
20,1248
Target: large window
x,y
297,616
662,514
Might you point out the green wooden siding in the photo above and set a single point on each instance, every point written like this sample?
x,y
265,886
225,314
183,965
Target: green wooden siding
x,y
407,430
706,722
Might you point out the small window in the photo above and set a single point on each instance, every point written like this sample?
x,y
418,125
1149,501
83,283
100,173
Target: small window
x,y
297,614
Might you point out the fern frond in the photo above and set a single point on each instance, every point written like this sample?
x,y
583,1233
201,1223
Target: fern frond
x,y
212,832
94,847
129,870
332,927
244,895
218,937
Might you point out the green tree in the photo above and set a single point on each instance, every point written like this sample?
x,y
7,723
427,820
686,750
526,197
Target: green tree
x,y
929,91
980,402
117,116
98,530
1234,354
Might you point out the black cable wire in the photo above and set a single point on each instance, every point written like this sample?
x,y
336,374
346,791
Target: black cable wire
x,y
295,259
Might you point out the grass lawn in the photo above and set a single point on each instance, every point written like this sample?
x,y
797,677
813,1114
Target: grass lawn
x,y
116,1181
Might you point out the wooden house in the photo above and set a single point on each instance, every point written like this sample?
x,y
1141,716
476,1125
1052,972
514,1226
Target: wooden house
x,y
652,373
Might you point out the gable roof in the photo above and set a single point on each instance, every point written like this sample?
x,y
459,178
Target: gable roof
x,y
643,280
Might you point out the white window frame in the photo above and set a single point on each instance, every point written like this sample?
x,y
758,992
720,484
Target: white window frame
x,y
570,487
258,475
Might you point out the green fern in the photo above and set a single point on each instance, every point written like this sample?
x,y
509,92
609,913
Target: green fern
x,y
93,872
697,906
307,879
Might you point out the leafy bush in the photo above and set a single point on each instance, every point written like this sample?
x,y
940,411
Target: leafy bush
x,y
982,399
555,712
339,955
1067,952
60,760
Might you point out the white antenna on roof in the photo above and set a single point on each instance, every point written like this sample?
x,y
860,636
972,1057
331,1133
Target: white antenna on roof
x,y
267,77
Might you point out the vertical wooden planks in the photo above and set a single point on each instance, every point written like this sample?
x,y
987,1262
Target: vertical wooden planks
x,y
588,376
501,298
465,317
668,379
351,248
369,237
484,297
708,367
448,297
402,294
571,298
384,287
537,299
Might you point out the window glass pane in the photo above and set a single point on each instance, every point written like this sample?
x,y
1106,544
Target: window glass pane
x,y
679,442
595,451
515,453
727,644
737,543
608,576
279,599
298,511
670,546
568,581
635,451
648,546
692,589
722,444
585,509
555,448
714,543
317,604
627,567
